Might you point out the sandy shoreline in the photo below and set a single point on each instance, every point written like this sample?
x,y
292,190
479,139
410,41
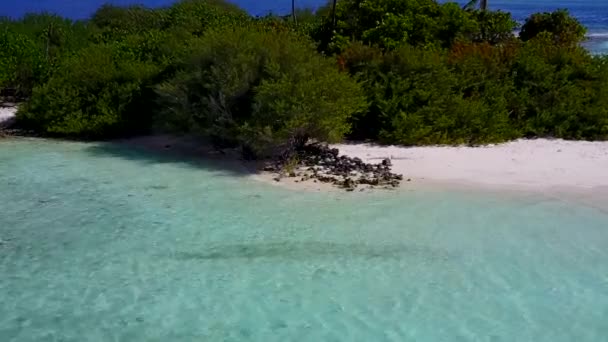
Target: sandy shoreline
x,y
539,164
546,166
552,168
7,114
546,169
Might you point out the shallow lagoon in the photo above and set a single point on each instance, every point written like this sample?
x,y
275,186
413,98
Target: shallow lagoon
x,y
101,243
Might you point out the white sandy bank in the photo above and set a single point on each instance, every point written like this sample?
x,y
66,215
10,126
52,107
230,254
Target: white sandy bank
x,y
540,164
7,114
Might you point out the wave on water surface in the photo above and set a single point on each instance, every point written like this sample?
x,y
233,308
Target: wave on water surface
x,y
598,35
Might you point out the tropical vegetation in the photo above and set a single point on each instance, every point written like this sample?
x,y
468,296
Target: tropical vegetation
x,y
392,71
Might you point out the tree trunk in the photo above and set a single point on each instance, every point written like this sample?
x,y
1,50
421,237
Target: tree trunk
x,y
483,5
333,15
49,32
293,11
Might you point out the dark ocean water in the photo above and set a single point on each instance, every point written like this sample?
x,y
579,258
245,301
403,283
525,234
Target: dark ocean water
x,y
592,13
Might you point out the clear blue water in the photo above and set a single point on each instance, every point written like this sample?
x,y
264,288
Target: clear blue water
x,y
101,243
592,13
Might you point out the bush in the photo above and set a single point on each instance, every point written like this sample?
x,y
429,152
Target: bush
x,y
129,19
196,16
424,111
54,36
33,46
91,95
560,90
392,23
266,90
21,62
421,72
409,106
563,28
494,27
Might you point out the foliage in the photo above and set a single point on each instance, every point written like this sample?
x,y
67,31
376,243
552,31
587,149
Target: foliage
x,y
91,95
33,46
21,63
196,16
266,90
54,35
408,105
391,23
401,72
559,90
114,22
563,28
494,27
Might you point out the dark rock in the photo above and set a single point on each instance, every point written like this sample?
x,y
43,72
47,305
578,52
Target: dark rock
x,y
328,166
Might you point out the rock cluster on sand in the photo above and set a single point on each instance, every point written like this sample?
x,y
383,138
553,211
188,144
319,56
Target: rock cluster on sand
x,y
317,162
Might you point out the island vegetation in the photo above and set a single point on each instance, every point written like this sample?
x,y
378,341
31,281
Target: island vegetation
x,y
390,71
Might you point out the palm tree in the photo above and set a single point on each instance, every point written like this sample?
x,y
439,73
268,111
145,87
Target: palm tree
x,y
293,11
483,5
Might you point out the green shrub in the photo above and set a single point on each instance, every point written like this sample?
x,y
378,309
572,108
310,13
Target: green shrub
x,y
421,72
425,111
191,17
54,35
33,45
494,27
21,62
420,96
264,89
91,95
196,16
391,23
561,90
114,22
563,28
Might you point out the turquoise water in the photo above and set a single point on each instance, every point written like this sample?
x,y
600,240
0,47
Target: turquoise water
x,y
100,243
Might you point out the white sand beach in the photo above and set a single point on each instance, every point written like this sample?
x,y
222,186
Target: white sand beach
x,y
548,166
539,164
7,114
